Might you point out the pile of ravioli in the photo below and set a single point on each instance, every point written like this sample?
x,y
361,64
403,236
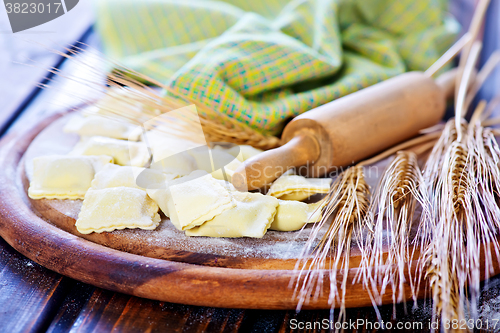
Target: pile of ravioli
x,y
127,178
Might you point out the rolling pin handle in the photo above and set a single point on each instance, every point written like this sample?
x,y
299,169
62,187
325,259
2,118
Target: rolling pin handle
x,y
265,167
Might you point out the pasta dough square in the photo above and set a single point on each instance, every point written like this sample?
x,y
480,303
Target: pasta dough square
x,y
123,152
100,126
293,215
229,170
165,144
244,152
241,152
180,164
192,200
170,153
64,177
116,99
294,187
251,217
113,175
115,209
214,161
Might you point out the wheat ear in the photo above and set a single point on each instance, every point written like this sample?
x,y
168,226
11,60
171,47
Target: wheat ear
x,y
392,209
432,182
449,243
464,232
452,211
485,175
347,205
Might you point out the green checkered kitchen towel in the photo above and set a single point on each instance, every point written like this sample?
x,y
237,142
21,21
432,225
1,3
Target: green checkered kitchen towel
x,y
264,61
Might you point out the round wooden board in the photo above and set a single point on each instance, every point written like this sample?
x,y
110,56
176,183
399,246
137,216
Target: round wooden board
x,y
162,264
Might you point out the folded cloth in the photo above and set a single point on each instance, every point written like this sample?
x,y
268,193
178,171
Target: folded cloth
x,y
264,61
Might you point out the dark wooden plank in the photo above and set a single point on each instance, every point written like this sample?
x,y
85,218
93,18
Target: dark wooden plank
x,y
24,57
101,312
29,293
204,319
106,311
231,320
199,320
262,321
61,92
76,297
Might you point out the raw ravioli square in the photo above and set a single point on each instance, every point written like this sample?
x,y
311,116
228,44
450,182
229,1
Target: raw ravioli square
x,y
123,152
293,215
98,125
117,208
252,216
113,175
192,200
64,177
294,187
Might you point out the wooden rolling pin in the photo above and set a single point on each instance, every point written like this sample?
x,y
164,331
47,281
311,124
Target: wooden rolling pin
x,y
351,128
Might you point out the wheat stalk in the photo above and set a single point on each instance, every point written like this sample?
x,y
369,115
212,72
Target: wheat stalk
x,y
451,53
462,182
463,218
436,159
432,181
139,103
347,204
440,289
481,77
455,216
485,175
392,209
452,256
474,29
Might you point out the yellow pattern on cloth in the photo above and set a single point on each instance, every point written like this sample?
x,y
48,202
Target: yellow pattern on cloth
x,y
263,62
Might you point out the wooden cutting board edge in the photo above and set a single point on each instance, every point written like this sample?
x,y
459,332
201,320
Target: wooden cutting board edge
x,y
141,276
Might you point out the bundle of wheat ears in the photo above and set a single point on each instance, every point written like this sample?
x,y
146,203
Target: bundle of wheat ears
x,y
452,202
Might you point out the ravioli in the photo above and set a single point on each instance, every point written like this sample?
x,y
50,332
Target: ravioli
x,y
215,161
294,187
251,217
164,145
244,152
228,169
180,164
115,209
170,155
192,200
241,152
116,99
64,177
293,215
113,175
101,126
123,152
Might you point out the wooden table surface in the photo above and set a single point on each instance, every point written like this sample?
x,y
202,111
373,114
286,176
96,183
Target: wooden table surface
x,y
34,299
